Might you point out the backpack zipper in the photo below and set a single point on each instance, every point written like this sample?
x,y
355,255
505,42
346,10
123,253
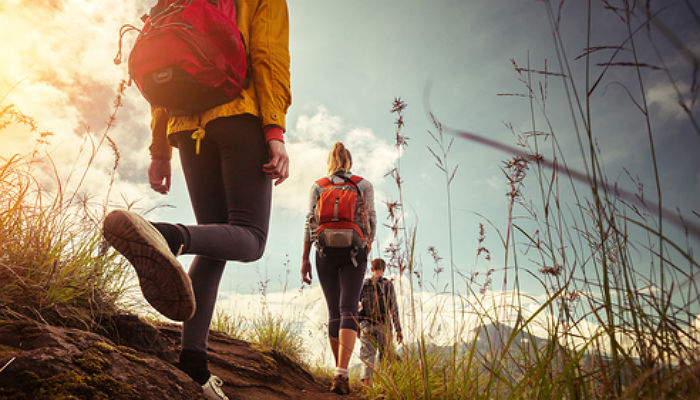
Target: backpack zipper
x,y
335,210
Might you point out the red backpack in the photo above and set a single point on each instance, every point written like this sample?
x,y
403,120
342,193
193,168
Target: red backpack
x,y
340,213
189,56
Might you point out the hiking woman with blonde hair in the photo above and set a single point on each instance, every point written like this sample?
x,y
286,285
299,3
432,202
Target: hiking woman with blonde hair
x,y
341,222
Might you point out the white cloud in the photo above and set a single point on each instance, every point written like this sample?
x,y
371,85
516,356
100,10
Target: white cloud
x,y
665,97
62,74
372,157
496,182
319,128
649,290
308,145
58,61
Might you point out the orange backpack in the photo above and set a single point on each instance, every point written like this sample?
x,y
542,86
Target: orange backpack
x,y
340,213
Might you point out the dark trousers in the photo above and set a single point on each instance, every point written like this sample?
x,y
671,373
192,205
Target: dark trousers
x,y
230,197
341,282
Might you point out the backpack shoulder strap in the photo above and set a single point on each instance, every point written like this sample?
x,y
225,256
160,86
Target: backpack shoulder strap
x,y
353,180
379,284
323,182
356,179
365,289
387,286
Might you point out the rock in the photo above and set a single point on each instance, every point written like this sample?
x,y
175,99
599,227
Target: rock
x,y
134,360
129,330
54,363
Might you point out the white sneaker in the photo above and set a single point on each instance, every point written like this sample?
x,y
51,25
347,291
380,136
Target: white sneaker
x,y
212,389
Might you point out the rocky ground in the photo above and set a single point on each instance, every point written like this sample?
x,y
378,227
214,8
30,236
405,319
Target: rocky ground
x,y
131,359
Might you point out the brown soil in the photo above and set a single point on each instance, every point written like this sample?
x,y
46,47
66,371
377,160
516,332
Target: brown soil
x,y
132,359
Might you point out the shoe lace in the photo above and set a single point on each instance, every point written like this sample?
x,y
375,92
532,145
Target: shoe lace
x,y
217,383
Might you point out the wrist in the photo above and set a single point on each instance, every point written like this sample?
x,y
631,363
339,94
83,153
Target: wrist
x,y
273,132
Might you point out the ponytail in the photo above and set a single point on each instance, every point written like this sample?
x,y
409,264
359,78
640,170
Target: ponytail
x,y
339,159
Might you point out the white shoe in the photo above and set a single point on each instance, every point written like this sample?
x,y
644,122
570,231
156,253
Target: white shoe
x,y
212,389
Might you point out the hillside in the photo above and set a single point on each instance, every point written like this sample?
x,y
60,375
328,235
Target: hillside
x,y
132,359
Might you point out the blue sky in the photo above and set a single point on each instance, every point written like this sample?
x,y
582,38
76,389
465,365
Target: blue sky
x,y
349,61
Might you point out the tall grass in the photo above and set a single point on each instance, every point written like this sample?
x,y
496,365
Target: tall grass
x,y
267,329
54,266
235,326
277,333
440,154
615,324
273,329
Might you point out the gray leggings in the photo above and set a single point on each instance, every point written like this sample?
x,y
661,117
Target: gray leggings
x,y
230,197
341,282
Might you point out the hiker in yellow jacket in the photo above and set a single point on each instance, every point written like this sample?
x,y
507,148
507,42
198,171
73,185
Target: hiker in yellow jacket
x,y
230,155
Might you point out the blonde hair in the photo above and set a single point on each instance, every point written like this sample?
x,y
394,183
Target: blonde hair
x,y
339,159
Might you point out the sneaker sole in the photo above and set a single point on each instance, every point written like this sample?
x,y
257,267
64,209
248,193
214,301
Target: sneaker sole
x,y
163,281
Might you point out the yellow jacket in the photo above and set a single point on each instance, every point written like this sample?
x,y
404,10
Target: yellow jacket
x,y
264,25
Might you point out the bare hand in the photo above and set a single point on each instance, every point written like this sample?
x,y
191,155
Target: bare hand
x,y
306,271
159,175
278,166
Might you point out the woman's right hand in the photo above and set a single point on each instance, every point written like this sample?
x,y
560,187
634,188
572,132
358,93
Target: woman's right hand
x,y
278,166
159,175
306,271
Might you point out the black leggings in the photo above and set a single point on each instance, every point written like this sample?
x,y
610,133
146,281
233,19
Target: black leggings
x,y
230,197
341,282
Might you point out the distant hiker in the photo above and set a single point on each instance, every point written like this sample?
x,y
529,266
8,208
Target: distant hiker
x,y
230,154
378,310
341,222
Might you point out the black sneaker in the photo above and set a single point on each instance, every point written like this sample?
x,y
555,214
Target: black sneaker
x,y
164,283
340,385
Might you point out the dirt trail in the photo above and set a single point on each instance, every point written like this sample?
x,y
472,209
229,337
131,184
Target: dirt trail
x,y
134,360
